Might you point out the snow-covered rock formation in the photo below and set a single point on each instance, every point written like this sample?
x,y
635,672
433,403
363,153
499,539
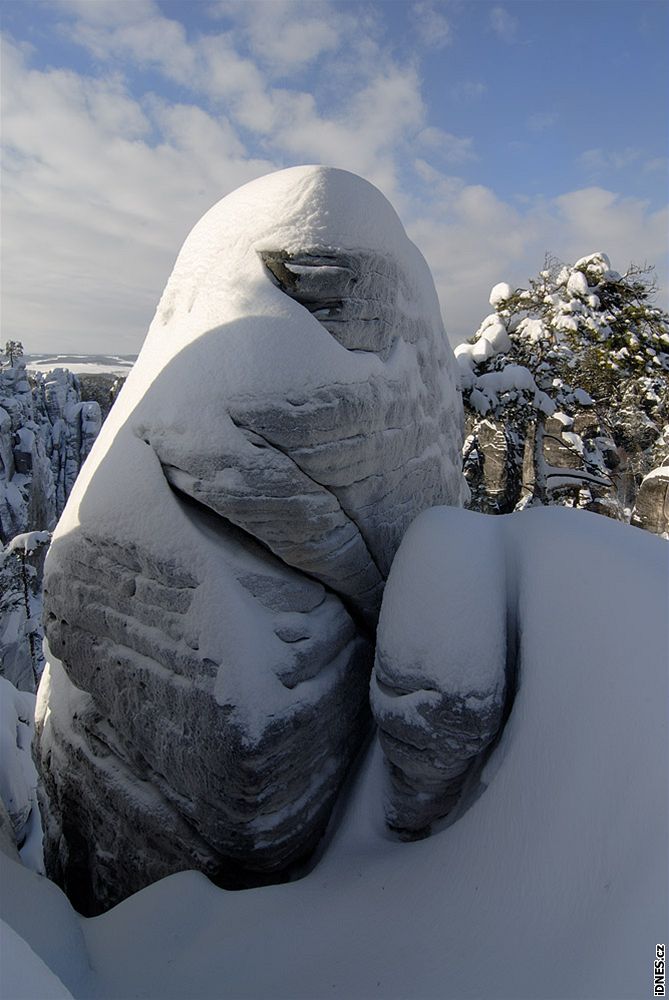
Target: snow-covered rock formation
x,y
214,583
651,510
445,642
46,432
19,816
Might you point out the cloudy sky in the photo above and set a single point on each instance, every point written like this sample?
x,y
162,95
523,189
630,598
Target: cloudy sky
x,y
499,131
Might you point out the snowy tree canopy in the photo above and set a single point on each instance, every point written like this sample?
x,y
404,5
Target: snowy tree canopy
x,y
580,337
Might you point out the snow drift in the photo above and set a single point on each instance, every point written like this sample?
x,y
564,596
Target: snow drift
x,y
552,883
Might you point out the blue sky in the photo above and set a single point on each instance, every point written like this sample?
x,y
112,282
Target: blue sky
x,y
499,131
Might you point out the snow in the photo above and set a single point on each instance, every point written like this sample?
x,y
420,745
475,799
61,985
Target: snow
x,y
480,402
39,913
430,616
514,377
492,339
245,337
662,472
223,332
497,336
463,354
552,884
563,322
500,293
575,440
25,436
578,283
24,975
28,541
482,350
18,778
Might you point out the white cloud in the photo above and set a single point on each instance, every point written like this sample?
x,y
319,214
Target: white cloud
x,y
541,121
472,239
469,90
102,185
625,228
451,148
286,35
598,161
431,26
660,163
374,102
93,212
137,30
504,24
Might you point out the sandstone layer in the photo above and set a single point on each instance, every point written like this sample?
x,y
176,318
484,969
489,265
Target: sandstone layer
x,y
213,587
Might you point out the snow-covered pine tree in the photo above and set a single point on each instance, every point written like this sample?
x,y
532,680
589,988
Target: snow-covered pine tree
x,y
566,389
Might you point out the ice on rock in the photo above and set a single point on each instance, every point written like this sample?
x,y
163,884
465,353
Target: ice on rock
x,y
213,586
440,675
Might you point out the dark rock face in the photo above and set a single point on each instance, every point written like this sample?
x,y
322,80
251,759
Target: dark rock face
x,y
212,590
651,510
101,388
581,458
492,457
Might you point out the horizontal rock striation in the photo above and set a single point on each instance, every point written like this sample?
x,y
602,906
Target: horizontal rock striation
x,y
154,763
213,588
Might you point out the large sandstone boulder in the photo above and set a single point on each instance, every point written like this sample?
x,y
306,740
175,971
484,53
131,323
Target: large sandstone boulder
x,y
213,586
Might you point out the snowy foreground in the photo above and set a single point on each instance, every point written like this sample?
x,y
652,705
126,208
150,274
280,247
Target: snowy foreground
x,y
552,884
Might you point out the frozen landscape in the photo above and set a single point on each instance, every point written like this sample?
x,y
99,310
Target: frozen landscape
x,y
81,364
334,545
551,884
211,604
